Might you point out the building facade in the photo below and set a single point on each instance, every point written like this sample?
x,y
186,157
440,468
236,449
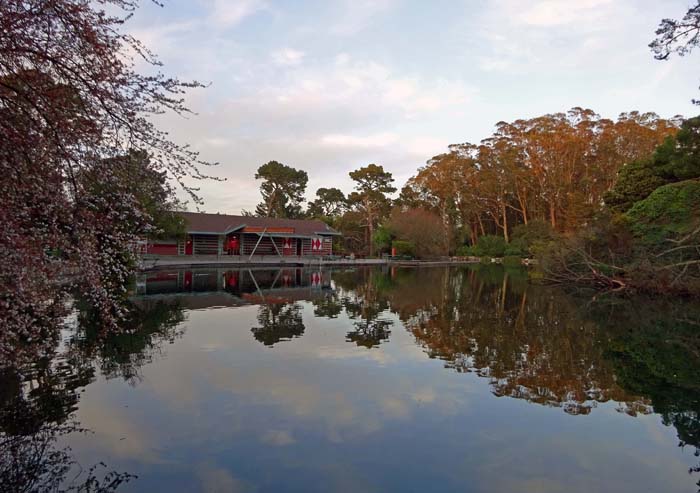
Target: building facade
x,y
223,234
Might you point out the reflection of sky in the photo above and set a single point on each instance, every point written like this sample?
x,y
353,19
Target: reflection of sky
x,y
222,412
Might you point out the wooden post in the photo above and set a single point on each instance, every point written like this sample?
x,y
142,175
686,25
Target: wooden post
x,y
256,244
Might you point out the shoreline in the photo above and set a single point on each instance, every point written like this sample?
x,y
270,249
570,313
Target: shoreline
x,y
149,263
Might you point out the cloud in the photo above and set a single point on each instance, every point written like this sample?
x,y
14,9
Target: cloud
x,y
356,15
228,13
369,141
288,57
523,34
548,13
215,479
278,438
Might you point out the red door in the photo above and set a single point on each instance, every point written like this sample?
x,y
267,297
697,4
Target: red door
x,y
188,246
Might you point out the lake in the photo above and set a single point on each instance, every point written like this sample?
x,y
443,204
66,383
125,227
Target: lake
x,y
462,379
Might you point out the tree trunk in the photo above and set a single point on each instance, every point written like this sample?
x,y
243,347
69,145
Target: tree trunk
x,y
553,215
370,229
504,213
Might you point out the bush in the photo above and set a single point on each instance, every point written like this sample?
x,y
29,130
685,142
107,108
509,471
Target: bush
x,y
669,212
465,251
518,248
404,247
382,238
490,246
533,231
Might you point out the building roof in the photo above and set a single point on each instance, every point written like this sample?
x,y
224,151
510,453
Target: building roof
x,y
198,222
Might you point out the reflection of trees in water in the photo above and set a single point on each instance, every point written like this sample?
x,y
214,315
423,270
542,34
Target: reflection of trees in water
x,y
148,328
328,306
365,304
530,343
360,294
278,322
36,463
370,333
547,347
35,413
654,347
38,400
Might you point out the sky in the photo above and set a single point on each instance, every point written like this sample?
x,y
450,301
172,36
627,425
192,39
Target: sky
x,y
329,86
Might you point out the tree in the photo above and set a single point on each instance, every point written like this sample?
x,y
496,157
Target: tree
x,y
71,98
678,36
157,205
420,227
282,190
554,167
329,203
369,197
675,160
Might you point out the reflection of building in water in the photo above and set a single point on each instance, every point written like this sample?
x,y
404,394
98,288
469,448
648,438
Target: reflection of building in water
x,y
230,287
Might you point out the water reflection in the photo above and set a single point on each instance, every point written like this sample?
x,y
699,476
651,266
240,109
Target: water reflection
x,y
278,322
36,411
524,343
530,344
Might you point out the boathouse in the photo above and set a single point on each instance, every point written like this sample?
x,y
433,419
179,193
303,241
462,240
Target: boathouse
x,y
223,234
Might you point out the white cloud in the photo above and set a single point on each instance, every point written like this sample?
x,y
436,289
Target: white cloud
x,y
288,57
227,13
356,15
367,141
518,35
547,13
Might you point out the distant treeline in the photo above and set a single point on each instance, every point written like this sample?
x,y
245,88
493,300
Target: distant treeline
x,y
554,168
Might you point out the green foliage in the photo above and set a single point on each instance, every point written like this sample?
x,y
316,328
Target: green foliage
x,y
669,212
490,246
282,190
678,158
329,203
373,178
372,184
636,181
404,247
382,238
518,248
465,251
684,153
536,230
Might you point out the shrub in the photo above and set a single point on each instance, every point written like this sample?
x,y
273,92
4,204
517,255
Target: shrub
x,y
518,248
669,212
382,238
490,246
404,247
533,231
465,251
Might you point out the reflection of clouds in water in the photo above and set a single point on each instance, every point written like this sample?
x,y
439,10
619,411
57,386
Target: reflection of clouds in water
x,y
214,479
394,407
278,438
118,432
424,395
354,352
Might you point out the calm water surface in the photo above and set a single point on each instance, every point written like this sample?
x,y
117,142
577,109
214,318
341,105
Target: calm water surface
x,y
459,379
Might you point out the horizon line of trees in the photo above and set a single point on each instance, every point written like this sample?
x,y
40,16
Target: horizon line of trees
x,y
553,169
